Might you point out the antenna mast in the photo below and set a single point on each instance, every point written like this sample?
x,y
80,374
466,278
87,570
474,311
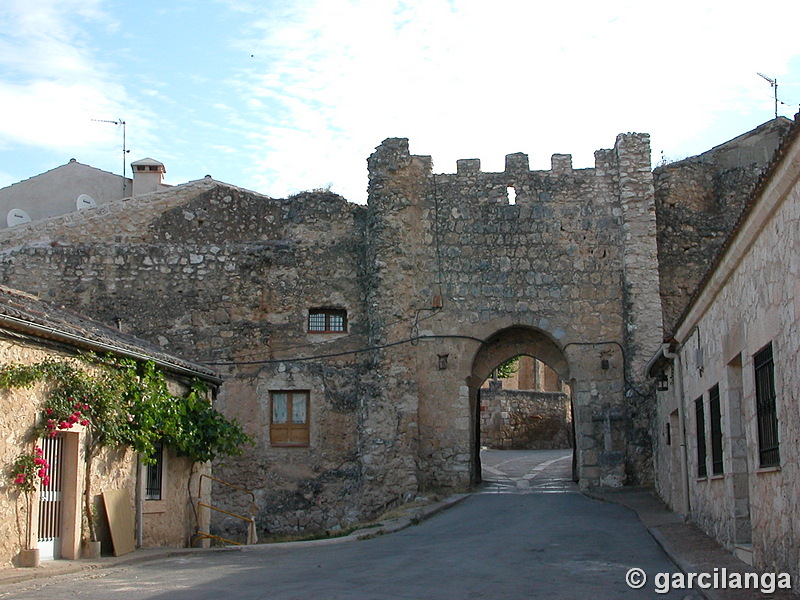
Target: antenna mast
x,y
125,151
774,84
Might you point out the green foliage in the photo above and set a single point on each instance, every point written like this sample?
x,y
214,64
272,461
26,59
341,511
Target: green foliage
x,y
508,368
124,402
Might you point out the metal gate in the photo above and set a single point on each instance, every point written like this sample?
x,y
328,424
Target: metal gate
x,y
50,501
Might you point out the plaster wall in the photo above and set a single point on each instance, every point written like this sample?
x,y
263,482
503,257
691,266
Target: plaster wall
x,y
56,192
113,468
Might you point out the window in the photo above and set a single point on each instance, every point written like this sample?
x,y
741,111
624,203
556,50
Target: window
x,y
327,320
766,411
154,475
289,418
715,414
700,414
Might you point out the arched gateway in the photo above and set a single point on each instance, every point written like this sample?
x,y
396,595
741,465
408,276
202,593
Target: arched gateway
x,y
373,326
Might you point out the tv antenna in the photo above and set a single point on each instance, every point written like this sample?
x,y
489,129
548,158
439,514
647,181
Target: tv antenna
x,y
125,151
774,84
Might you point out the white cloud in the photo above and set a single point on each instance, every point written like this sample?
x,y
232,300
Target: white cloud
x,y
467,78
55,86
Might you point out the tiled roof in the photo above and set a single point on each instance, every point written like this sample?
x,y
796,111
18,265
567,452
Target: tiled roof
x,y
23,313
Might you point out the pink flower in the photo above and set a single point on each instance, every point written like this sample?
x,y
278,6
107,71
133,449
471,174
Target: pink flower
x,y
85,422
46,480
39,461
53,433
85,407
38,451
20,478
63,425
48,411
42,473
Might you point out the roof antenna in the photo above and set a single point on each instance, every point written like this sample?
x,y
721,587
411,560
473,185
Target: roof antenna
x,y
774,84
125,151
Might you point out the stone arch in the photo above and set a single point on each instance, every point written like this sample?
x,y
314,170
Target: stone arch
x,y
501,346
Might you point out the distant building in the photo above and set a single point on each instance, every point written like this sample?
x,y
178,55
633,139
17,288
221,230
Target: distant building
x,y
72,187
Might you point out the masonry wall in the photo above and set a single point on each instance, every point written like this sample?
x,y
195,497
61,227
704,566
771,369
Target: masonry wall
x,y
563,260
698,201
435,273
524,419
226,276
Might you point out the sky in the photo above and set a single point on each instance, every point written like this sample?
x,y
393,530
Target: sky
x,y
285,96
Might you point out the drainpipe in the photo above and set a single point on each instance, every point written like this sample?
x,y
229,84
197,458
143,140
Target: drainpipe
x,y
677,376
139,502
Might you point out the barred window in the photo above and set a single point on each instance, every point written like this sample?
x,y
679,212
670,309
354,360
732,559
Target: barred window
x,y
700,414
154,476
715,414
327,320
766,409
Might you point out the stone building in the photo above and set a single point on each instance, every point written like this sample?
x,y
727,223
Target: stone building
x,y
32,331
726,432
354,340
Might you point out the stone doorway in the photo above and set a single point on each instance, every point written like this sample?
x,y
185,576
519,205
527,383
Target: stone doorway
x,y
506,345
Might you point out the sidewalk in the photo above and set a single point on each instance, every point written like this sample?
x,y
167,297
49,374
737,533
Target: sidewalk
x,y
55,568
686,545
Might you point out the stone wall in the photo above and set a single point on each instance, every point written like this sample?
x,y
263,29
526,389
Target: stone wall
x,y
442,277
698,201
524,419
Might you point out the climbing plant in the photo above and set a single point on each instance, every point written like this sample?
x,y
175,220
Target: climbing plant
x,y
123,402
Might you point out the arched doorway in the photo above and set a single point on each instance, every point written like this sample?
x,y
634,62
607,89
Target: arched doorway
x,y
497,350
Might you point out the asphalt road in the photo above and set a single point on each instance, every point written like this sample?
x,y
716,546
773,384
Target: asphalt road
x,y
528,534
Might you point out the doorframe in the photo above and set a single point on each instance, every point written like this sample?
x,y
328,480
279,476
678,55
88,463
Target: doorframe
x,y
71,515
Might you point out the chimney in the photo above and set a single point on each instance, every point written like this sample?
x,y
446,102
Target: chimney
x,y
148,175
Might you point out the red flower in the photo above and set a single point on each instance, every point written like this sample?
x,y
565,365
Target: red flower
x,y
42,473
48,411
85,422
46,480
20,478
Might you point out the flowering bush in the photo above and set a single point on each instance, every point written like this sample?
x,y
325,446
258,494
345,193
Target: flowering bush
x,y
30,467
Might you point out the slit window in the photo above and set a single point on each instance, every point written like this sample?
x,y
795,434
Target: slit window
x,y
766,409
700,418
327,320
715,414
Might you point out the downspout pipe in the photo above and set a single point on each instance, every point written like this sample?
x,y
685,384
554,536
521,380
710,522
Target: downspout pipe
x,y
677,378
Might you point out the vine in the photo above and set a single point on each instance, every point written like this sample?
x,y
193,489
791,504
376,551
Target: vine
x,y
125,403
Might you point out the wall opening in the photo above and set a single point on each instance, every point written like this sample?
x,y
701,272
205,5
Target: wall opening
x,y
537,416
511,194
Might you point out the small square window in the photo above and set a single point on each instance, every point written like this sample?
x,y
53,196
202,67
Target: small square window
x,y
289,424
327,320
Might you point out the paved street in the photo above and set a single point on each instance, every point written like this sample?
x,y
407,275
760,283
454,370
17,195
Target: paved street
x,y
527,534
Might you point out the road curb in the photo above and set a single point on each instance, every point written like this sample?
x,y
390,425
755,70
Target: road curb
x,y
54,569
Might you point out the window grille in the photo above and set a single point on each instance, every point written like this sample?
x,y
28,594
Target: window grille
x,y
766,409
327,320
154,475
715,414
699,411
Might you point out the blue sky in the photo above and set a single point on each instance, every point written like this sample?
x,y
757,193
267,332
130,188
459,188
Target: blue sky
x,y
280,97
